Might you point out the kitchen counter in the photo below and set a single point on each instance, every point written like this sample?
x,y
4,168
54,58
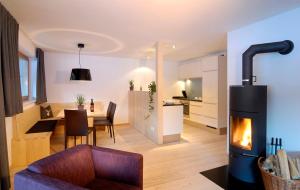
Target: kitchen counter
x,y
172,123
187,99
195,100
173,104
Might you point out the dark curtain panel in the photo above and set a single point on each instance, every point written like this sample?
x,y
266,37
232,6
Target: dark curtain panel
x,y
41,95
10,64
10,87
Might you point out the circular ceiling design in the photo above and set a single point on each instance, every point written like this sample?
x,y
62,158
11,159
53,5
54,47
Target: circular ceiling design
x,y
66,40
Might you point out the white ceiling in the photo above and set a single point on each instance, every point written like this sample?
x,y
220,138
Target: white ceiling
x,y
128,28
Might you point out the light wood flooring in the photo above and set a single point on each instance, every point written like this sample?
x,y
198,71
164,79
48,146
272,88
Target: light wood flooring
x,y
173,166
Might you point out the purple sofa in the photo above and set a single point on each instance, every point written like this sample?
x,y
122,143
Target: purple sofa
x,y
84,167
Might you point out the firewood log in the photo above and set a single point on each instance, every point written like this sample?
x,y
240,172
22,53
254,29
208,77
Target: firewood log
x,y
276,165
297,163
284,165
293,169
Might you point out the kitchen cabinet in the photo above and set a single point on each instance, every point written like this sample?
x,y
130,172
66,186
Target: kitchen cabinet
x,y
210,63
196,107
190,70
210,86
173,119
204,113
213,110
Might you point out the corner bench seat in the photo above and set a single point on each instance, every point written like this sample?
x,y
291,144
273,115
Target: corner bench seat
x,y
29,147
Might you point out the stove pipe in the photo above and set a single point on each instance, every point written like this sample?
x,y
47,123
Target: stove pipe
x,y
283,47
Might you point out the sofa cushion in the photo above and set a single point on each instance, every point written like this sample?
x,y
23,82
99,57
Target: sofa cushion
x,y
98,184
118,165
74,165
26,180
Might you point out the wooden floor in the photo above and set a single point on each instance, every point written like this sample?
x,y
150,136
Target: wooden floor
x,y
173,166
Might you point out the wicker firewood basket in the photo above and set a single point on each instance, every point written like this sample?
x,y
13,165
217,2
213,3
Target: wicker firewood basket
x,y
272,182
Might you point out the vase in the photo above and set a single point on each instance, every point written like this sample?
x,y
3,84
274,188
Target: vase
x,y
80,107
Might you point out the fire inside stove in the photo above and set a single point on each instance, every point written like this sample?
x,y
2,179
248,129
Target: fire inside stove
x,y
241,132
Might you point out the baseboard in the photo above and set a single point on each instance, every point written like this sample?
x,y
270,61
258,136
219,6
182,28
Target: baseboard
x,y
171,138
122,124
219,131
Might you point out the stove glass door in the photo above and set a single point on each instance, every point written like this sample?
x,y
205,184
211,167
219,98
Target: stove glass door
x,y
241,132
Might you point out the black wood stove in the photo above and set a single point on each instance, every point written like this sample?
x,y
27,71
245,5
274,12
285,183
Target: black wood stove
x,y
248,116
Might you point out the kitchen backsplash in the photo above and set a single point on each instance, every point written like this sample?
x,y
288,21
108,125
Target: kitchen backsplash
x,y
193,87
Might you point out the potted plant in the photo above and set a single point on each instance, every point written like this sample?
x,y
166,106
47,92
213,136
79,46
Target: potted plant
x,y
80,100
131,85
152,90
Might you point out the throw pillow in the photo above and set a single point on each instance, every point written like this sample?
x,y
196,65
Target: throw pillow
x,y
46,112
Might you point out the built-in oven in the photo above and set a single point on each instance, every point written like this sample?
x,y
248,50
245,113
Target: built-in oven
x,y
186,107
186,103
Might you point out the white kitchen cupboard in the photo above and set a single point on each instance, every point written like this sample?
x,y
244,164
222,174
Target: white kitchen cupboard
x,y
190,70
210,63
213,110
210,86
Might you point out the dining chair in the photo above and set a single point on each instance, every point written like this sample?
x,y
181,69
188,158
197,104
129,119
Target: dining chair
x,y
107,113
76,124
105,117
106,121
111,119
98,119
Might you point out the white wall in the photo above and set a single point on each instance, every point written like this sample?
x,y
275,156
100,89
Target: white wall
x,y
110,77
25,45
279,72
172,85
146,73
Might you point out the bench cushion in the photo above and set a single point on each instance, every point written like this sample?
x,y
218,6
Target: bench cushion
x,y
43,126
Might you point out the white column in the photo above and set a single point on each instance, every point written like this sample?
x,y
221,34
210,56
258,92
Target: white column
x,y
159,90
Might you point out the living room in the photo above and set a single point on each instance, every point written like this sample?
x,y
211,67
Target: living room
x,y
167,94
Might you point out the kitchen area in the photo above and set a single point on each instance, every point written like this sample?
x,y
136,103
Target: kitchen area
x,y
202,103
204,96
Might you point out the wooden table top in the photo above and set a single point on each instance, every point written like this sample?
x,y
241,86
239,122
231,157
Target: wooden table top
x,y
96,113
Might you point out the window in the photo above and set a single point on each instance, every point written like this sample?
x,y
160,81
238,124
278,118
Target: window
x,y
33,77
28,71
24,75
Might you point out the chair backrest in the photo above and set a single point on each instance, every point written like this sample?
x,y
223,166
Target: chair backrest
x,y
112,112
108,109
76,123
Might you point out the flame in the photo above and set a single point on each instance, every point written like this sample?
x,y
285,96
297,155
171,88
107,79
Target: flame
x,y
246,139
241,132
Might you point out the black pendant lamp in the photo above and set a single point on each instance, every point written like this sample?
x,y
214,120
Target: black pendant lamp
x,y
80,73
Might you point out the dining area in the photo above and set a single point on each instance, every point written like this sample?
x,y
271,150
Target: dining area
x,y
80,125
44,129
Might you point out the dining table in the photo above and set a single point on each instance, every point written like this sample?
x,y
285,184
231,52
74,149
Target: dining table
x,y
96,113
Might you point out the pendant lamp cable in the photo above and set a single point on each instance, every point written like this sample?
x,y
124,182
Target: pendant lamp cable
x,y
79,57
